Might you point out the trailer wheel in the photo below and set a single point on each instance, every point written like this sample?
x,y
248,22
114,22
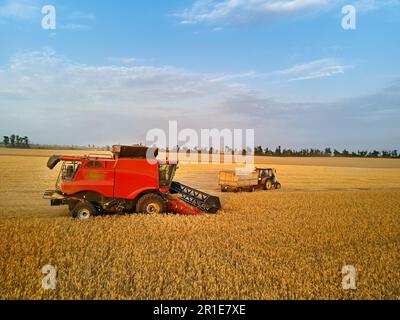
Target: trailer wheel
x,y
84,210
150,203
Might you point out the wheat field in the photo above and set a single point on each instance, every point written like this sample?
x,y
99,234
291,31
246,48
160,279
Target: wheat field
x,y
286,244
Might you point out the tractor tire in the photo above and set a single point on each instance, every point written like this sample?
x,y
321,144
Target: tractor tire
x,y
278,186
84,210
150,203
268,185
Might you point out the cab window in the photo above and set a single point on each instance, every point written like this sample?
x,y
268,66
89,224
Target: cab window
x,y
93,164
89,165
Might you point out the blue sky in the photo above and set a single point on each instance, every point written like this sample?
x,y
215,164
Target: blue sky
x,y
112,70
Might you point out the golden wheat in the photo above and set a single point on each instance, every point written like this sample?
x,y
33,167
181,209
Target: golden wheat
x,y
290,244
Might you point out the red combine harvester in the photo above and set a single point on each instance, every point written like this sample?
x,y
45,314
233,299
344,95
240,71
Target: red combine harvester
x,y
128,181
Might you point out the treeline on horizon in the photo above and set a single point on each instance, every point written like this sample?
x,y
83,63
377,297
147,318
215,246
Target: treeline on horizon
x,y
327,152
310,152
17,141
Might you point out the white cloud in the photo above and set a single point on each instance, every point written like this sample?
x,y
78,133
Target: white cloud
x,y
233,76
46,90
55,100
343,123
125,60
19,9
246,11
78,15
253,11
30,10
129,82
370,5
315,69
78,21
74,26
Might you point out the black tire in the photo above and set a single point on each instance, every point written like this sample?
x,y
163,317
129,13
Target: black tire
x,y
268,185
252,189
84,210
150,203
278,186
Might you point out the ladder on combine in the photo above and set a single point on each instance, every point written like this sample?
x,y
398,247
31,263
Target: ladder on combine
x,y
196,198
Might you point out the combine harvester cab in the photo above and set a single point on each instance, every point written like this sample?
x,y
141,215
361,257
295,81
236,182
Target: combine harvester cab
x,y
131,180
